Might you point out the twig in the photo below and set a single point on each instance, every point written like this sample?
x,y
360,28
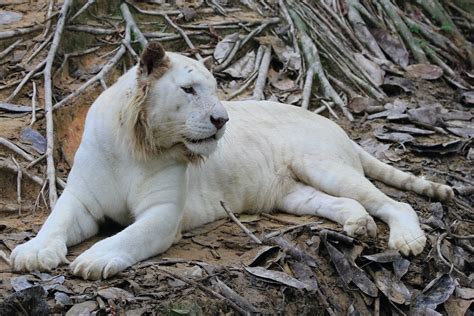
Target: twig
x,y
226,291
34,162
91,29
39,49
7,50
308,84
228,58
246,231
131,24
258,30
184,35
243,87
16,149
22,31
48,19
25,80
48,103
262,74
82,9
12,167
178,12
33,105
99,76
440,254
18,185
204,289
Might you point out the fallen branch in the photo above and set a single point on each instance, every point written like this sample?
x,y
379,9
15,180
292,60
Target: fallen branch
x,y
262,74
245,229
82,9
25,80
18,184
15,148
130,23
243,87
184,35
48,103
10,48
99,76
22,31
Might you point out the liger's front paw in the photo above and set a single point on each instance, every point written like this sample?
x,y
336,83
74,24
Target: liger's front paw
x,y
38,254
408,238
361,226
99,263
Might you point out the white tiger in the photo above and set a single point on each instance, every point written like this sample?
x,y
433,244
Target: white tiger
x,y
151,159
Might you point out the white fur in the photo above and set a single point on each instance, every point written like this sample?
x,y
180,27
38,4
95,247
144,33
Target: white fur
x,y
272,156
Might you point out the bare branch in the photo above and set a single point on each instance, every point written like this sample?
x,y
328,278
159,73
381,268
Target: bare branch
x,y
48,103
131,24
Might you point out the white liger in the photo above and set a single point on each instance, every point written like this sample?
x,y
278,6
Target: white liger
x,y
154,157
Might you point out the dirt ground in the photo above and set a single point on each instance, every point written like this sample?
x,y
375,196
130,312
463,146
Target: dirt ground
x,y
187,279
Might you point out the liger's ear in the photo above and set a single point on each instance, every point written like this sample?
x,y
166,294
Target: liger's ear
x,y
153,61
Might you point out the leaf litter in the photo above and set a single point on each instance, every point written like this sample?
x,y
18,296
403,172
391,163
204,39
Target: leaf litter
x,y
424,126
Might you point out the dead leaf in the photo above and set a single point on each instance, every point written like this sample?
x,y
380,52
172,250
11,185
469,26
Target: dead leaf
x,y
84,308
243,67
62,299
393,111
391,45
397,85
411,129
266,256
424,71
435,293
276,276
394,289
363,282
427,115
468,98
224,47
444,148
31,301
379,150
22,282
373,70
464,293
33,137
188,13
342,265
457,307
9,107
304,274
400,267
116,294
360,104
401,138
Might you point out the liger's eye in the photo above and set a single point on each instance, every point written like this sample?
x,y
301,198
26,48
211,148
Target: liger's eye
x,y
189,90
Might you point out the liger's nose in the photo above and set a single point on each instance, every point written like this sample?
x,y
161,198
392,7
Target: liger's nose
x,y
219,122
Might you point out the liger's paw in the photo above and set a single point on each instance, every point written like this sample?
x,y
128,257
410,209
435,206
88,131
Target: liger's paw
x,y
100,263
407,238
361,226
38,254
